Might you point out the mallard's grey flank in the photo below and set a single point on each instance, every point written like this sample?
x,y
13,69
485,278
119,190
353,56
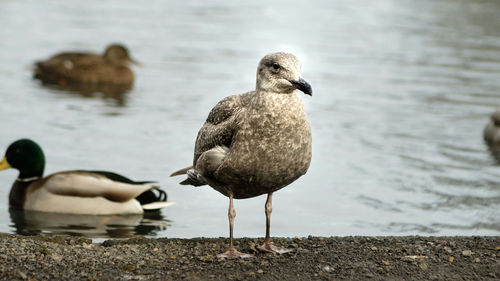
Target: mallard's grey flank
x,y
257,142
87,68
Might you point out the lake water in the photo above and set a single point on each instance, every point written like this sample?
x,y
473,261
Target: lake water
x,y
402,92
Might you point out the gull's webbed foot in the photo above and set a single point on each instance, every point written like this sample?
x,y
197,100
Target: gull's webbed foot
x,y
268,247
232,253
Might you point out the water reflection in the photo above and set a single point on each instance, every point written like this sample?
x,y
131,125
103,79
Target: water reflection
x,y
111,226
114,92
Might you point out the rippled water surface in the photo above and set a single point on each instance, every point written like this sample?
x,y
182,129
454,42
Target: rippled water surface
x,y
402,92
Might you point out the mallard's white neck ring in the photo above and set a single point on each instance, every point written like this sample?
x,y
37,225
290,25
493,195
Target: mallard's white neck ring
x,y
27,179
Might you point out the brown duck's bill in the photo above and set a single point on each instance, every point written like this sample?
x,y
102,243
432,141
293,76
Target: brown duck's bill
x,y
136,63
302,85
4,164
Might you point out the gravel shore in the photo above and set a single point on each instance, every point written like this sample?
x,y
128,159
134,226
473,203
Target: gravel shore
x,y
313,258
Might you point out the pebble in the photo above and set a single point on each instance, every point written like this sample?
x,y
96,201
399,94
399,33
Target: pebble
x,y
467,253
22,275
413,258
327,268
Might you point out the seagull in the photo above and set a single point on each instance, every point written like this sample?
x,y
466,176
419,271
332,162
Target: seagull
x,y
255,143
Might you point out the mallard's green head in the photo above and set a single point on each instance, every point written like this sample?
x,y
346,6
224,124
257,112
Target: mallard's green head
x,y
26,156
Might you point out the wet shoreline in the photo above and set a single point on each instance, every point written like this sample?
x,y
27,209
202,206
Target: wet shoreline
x,y
318,258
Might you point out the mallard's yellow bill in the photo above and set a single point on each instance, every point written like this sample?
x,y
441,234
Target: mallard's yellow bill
x,y
4,164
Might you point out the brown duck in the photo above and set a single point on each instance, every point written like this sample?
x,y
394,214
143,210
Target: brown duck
x,y
87,68
255,143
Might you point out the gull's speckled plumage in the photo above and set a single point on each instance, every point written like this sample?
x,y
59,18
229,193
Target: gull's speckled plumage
x,y
257,142
267,133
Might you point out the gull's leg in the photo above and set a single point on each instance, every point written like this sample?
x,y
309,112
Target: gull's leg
x,y
268,246
232,253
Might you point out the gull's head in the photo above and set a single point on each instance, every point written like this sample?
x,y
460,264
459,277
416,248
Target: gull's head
x,y
280,73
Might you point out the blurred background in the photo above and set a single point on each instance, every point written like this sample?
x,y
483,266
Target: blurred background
x,y
402,92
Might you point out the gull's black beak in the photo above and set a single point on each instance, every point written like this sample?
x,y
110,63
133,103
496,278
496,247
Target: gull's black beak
x,y
302,85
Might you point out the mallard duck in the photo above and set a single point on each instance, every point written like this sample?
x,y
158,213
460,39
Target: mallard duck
x,y
75,192
77,67
255,143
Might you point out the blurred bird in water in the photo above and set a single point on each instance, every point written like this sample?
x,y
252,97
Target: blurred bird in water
x,y
69,68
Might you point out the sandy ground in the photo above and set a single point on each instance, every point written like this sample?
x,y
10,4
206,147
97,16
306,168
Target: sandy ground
x,y
313,258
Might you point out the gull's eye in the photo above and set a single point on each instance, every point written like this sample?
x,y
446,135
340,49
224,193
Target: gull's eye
x,y
276,66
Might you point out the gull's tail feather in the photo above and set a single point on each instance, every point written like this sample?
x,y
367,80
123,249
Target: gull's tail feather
x,y
193,179
181,171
